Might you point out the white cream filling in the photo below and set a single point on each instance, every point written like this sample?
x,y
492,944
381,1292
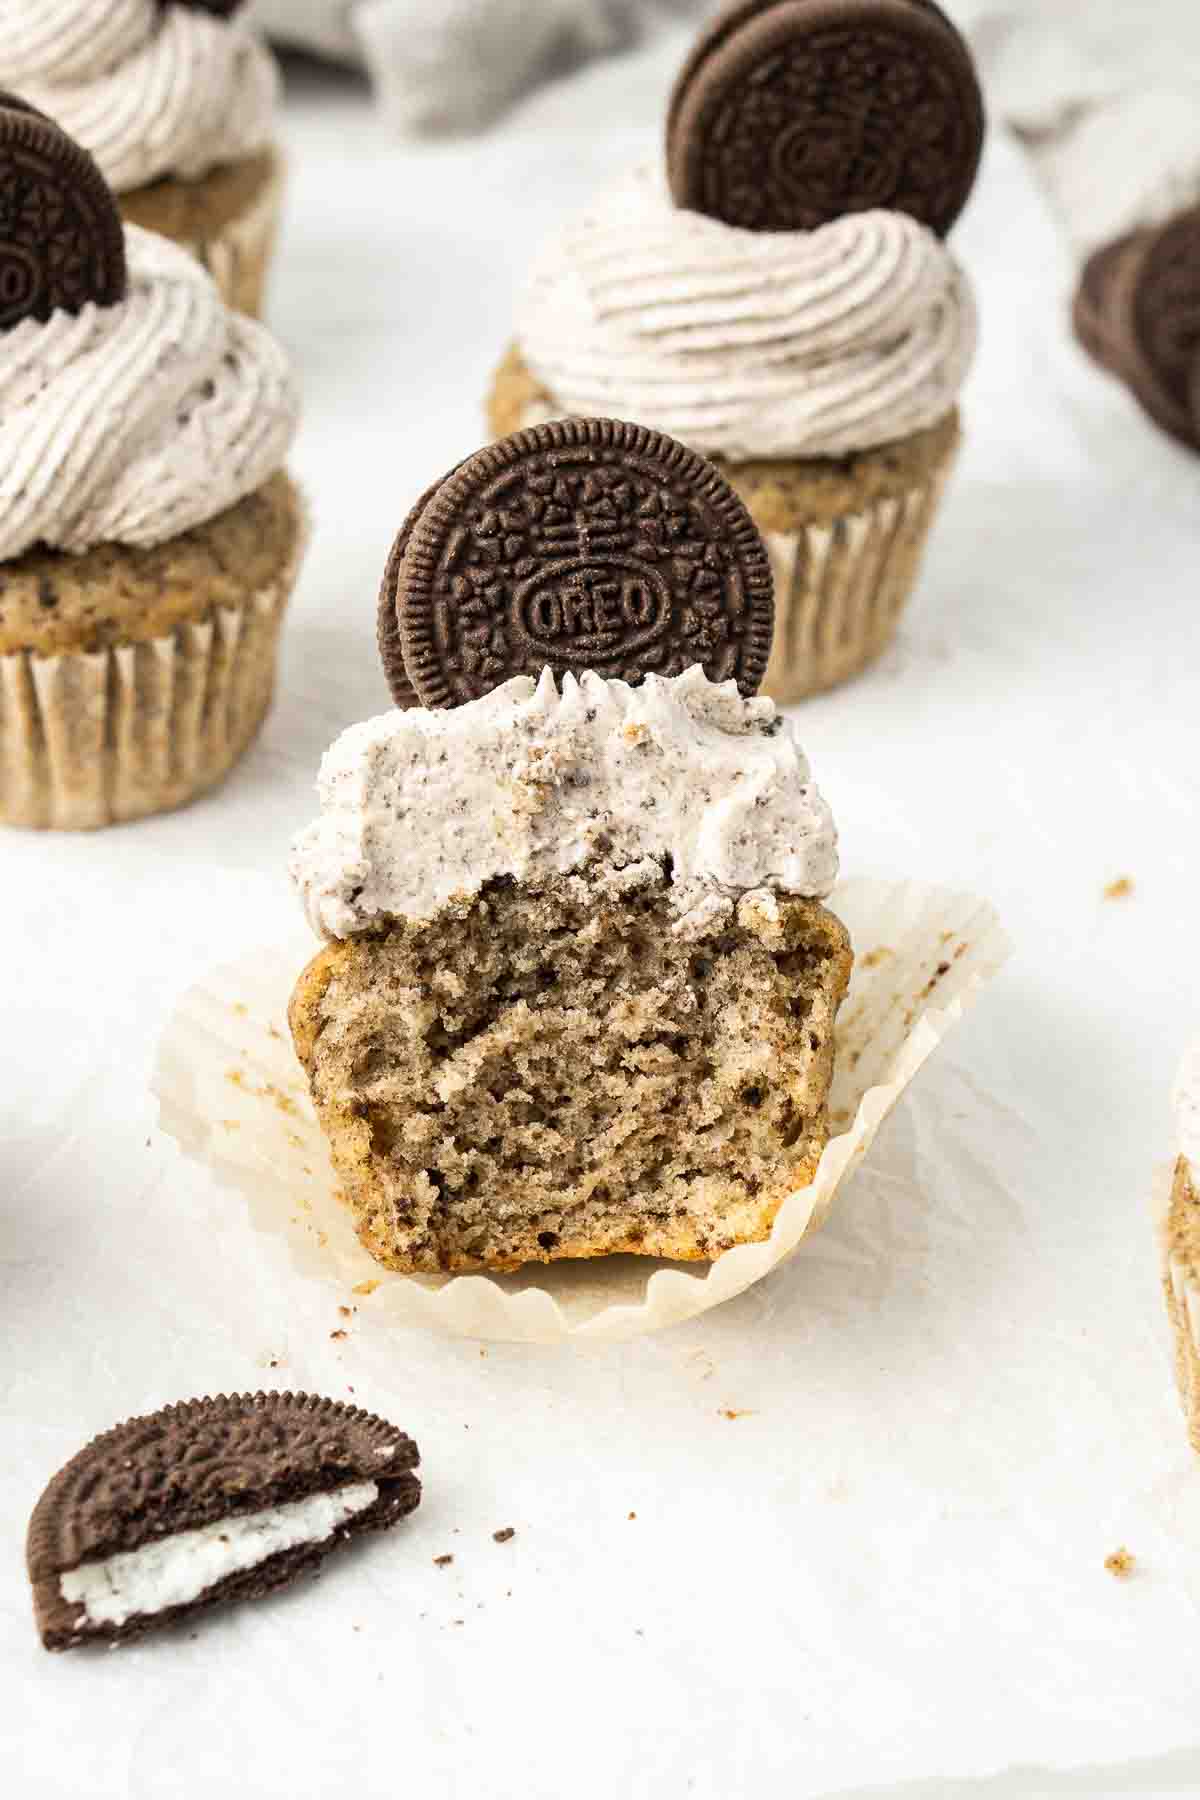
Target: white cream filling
x,y
177,1570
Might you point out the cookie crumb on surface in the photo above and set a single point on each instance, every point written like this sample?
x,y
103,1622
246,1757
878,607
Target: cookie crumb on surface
x,y
1121,1563
337,1336
1120,889
502,1537
739,1412
364,1287
443,1562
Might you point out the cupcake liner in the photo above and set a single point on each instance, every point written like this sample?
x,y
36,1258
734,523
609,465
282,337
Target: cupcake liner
x,y
239,257
232,1094
98,738
1172,1184
842,584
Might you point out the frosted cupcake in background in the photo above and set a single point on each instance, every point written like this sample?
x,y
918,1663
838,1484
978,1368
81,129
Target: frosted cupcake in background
x,y
176,102
1181,1242
781,300
149,537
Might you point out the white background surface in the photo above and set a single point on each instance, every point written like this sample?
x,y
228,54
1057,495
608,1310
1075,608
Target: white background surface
x,y
886,1577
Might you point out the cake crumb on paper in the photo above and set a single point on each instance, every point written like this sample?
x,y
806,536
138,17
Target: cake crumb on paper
x,y
443,1562
1121,889
364,1287
337,1336
1121,1563
873,958
737,1412
503,1537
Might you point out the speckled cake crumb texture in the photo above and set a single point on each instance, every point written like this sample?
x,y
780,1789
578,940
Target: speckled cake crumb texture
x,y
550,1074
52,603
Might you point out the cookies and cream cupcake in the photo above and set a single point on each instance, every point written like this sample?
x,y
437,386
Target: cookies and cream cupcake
x,y
176,101
1181,1242
579,983
149,535
780,299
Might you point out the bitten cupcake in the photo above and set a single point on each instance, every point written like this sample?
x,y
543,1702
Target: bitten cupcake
x,y
781,300
1181,1242
176,101
149,536
579,984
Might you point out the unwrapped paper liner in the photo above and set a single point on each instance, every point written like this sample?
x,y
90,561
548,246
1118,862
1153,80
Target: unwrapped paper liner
x,y
232,1094
1172,1185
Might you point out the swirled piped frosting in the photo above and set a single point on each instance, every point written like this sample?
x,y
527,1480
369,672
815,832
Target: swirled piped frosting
x,y
1187,1109
749,344
150,89
128,424
618,785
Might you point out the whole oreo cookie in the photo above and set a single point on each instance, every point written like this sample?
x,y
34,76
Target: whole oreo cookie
x,y
582,544
791,113
209,1502
62,243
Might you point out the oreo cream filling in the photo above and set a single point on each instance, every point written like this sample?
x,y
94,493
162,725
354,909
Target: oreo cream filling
x,y
177,1570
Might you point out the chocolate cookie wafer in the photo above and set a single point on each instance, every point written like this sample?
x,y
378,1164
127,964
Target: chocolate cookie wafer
x,y
1137,313
62,243
791,113
582,544
208,1502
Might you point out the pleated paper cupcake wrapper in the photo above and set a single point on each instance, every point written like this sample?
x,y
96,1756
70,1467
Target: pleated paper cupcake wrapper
x,y
233,1096
1182,1294
99,738
239,257
841,587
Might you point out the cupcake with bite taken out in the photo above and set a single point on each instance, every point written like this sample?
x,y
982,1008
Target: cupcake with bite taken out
x,y
176,101
578,986
149,534
780,298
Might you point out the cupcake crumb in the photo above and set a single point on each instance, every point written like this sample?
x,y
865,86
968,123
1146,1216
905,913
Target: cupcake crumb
x,y
1121,889
1121,1563
506,1535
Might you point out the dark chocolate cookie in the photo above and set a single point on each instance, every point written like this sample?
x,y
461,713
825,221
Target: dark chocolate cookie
x,y
62,243
222,9
1093,312
387,628
791,113
582,544
1164,324
272,1482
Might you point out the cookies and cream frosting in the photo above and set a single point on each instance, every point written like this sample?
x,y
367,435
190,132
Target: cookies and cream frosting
x,y
420,809
150,89
1187,1109
748,344
129,424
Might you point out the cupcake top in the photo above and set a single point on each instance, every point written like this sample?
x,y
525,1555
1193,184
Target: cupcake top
x,y
1187,1108
130,423
749,344
421,809
150,88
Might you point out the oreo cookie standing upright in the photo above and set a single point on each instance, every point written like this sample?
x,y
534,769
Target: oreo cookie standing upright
x,y
62,244
791,113
584,544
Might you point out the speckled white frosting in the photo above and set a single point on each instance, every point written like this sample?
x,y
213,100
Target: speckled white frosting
x,y
1187,1108
174,1571
748,344
128,424
421,809
149,89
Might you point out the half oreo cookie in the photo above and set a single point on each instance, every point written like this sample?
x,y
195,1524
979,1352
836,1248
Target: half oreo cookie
x,y
791,113
62,243
206,1503
582,544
